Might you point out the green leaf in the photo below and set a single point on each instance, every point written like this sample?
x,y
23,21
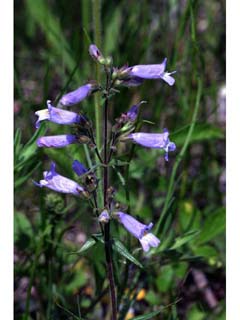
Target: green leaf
x,y
120,176
205,251
147,316
180,241
87,245
17,143
19,181
122,250
29,150
214,225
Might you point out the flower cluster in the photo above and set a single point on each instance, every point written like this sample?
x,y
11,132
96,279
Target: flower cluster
x,y
123,130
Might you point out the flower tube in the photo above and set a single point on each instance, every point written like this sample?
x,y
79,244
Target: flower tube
x,y
58,183
152,71
59,116
154,140
59,141
138,230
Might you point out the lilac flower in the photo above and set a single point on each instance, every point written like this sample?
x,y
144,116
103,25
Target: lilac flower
x,y
152,71
154,140
104,217
77,95
57,115
58,183
56,141
139,230
78,168
95,53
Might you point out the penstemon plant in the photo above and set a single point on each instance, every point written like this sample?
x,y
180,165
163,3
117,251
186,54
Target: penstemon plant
x,y
97,179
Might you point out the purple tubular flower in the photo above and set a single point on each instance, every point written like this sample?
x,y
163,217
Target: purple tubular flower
x,y
154,140
56,141
57,115
58,183
77,95
78,168
152,71
139,230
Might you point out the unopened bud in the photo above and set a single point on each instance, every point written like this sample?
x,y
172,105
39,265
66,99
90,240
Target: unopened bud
x,y
104,217
84,139
91,182
95,53
110,193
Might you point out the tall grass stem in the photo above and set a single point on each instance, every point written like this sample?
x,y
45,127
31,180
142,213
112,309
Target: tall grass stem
x,y
180,157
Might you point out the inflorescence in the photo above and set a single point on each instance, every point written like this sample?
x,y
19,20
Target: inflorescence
x,y
122,130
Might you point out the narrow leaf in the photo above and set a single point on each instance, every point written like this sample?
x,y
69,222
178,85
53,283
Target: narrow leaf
x,y
87,245
122,250
180,241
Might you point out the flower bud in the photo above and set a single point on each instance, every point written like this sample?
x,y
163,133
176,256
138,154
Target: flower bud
x,y
90,182
96,54
84,139
78,168
78,95
104,217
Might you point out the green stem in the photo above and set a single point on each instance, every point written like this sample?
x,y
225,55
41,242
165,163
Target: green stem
x,y
180,157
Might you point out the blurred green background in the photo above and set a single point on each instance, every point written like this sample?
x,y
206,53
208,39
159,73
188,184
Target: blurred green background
x,y
186,276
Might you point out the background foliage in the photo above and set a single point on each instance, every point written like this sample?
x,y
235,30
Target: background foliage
x,y
185,277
